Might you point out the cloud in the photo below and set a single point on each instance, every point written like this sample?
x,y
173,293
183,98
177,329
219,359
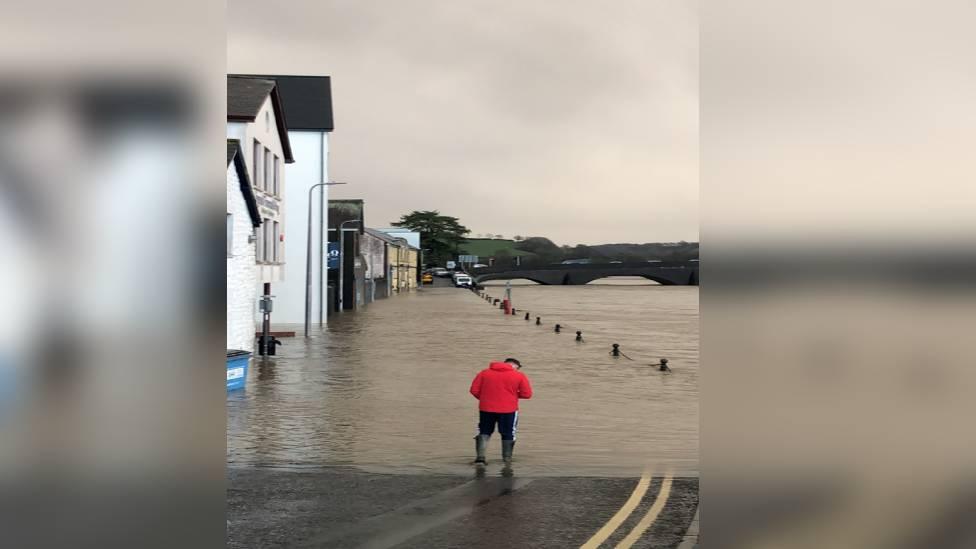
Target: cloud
x,y
573,120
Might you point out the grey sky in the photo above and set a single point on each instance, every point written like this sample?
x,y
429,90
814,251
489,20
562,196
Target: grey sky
x,y
575,120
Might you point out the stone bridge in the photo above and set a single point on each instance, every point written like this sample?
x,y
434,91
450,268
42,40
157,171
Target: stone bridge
x,y
668,274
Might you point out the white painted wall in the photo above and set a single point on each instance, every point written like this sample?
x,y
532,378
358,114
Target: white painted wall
x,y
242,272
265,130
311,166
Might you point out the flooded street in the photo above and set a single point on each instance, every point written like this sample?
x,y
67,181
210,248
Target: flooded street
x,y
385,389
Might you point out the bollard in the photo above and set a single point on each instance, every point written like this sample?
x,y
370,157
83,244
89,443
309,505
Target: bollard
x,y
526,316
579,335
558,327
616,350
538,321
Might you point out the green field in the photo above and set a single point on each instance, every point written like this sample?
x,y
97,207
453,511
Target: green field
x,y
487,247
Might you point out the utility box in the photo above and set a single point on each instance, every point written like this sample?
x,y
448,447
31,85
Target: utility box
x,y
237,361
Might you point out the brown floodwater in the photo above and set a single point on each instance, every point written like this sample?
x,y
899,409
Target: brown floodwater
x,y
386,388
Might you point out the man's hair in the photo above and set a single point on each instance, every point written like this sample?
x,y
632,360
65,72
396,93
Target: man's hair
x,y
513,361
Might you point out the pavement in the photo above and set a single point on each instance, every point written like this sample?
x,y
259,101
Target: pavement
x,y
340,507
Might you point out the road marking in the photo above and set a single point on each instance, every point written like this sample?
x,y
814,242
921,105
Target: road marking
x,y
611,526
650,517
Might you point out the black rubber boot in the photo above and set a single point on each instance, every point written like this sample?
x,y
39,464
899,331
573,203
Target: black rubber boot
x,y
480,445
507,446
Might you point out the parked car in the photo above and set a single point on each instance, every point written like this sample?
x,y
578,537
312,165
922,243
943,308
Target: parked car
x,y
462,281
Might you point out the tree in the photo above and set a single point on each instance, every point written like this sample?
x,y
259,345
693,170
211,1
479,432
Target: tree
x,y
439,234
545,250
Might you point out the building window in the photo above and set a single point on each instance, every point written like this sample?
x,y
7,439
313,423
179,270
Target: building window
x,y
277,176
259,252
256,165
276,235
267,121
267,170
230,235
268,243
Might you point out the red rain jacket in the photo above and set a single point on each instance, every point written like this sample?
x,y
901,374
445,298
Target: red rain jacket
x,y
499,387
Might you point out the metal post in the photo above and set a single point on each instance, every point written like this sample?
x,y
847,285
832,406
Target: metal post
x,y
308,253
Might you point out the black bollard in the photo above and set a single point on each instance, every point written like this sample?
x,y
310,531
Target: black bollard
x,y
538,321
558,327
616,350
526,316
579,336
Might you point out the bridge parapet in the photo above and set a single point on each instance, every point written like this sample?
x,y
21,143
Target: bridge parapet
x,y
669,274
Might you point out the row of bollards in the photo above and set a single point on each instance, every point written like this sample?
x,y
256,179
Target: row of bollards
x,y
614,348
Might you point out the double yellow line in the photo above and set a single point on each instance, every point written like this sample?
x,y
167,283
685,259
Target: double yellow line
x,y
625,511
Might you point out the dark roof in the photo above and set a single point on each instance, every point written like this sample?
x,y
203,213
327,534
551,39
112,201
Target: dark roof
x,y
235,155
307,101
383,236
245,95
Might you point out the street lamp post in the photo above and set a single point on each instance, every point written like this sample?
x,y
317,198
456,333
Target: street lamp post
x,y
342,261
308,252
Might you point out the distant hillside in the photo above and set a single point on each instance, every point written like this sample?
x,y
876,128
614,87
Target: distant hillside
x,y
492,247
539,249
549,252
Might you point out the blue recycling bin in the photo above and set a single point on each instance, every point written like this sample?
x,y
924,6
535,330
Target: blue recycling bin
x,y
237,362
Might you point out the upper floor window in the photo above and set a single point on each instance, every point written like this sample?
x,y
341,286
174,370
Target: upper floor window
x,y
277,176
267,170
256,165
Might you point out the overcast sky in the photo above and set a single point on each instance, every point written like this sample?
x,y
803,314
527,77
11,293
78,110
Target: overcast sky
x,y
575,120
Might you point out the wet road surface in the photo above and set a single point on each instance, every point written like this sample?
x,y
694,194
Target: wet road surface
x,y
344,507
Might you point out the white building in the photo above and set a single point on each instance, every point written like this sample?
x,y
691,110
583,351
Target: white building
x,y
255,120
307,105
243,224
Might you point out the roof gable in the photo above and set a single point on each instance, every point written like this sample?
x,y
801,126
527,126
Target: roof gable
x,y
307,101
246,96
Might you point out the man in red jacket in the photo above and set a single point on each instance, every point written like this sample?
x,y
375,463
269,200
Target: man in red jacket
x,y
498,389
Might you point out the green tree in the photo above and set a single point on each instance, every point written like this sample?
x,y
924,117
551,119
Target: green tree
x,y
440,234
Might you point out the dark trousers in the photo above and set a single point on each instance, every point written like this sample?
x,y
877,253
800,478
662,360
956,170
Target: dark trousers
x,y
507,424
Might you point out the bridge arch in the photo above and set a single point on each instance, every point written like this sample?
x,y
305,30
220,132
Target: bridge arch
x,y
490,278
633,278
584,279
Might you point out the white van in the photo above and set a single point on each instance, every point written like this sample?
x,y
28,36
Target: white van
x,y
462,280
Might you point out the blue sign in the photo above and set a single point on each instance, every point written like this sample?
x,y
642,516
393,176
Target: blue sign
x,y
333,255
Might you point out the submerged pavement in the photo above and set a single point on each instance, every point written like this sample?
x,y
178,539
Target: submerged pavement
x,y
339,507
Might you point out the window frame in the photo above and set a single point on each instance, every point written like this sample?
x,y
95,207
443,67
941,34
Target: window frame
x,y
256,160
276,240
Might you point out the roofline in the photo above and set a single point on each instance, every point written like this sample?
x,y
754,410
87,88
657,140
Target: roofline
x,y
279,116
245,184
282,128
